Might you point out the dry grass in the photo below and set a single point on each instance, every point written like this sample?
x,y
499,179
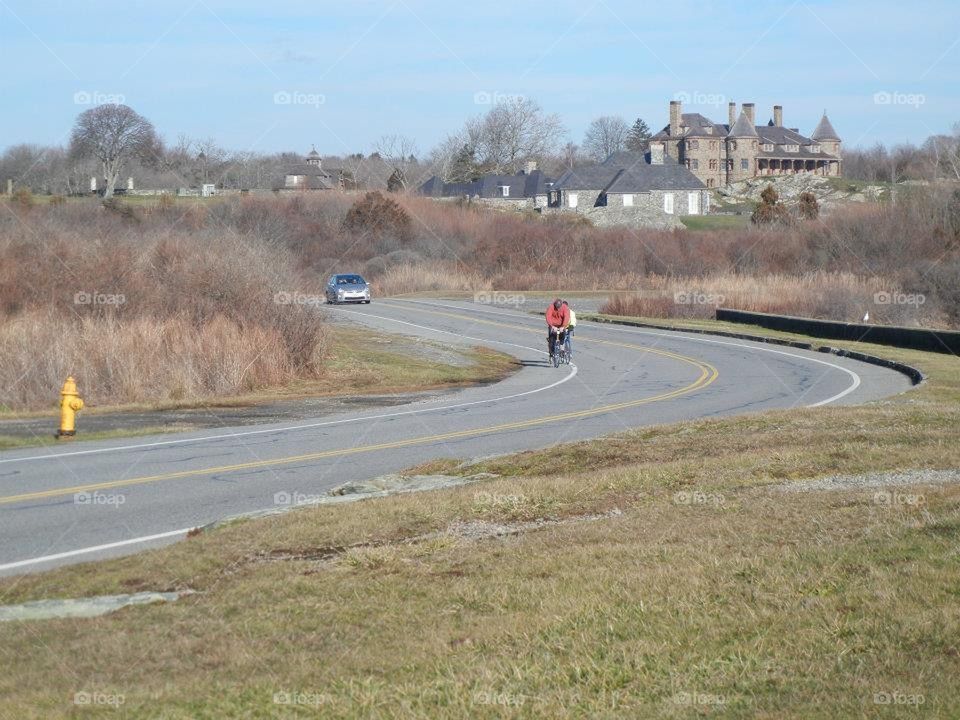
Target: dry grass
x,y
839,296
780,605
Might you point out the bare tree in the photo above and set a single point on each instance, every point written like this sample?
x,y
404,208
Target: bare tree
x,y
605,136
399,151
114,135
512,133
570,155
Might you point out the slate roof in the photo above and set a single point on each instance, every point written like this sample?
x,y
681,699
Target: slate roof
x,y
782,135
522,185
696,125
628,172
743,128
824,130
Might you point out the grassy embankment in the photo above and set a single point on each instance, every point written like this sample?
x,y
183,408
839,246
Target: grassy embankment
x,y
657,573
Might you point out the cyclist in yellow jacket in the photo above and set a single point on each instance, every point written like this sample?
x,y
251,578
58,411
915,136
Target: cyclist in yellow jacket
x,y
571,326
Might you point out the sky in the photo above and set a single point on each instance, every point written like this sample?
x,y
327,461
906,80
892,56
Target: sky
x,y
274,76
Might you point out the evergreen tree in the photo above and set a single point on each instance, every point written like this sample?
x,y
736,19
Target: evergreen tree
x,y
464,165
638,137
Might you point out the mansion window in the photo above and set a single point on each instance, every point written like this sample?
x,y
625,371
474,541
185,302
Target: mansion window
x,y
744,164
696,164
627,200
768,147
709,182
668,203
733,144
693,144
713,164
814,148
505,190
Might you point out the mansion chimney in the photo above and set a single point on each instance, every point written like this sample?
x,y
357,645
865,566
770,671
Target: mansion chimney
x,y
731,114
778,115
749,110
656,153
675,109
531,167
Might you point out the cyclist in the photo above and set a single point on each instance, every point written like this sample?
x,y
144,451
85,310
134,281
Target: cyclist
x,y
558,318
570,328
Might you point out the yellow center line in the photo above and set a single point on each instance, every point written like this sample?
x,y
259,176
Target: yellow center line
x,y
708,374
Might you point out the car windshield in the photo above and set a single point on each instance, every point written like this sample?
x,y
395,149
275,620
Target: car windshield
x,y
350,280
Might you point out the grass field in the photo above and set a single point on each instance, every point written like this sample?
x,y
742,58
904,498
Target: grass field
x,y
716,222
663,572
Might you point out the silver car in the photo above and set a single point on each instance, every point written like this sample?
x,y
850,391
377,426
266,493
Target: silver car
x,y
347,288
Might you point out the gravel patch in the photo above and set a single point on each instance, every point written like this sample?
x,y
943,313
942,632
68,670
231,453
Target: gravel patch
x,y
83,607
874,480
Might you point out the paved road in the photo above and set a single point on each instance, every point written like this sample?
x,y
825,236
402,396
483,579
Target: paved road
x,y
91,500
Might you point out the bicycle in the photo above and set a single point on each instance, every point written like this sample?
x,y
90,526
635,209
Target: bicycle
x,y
561,354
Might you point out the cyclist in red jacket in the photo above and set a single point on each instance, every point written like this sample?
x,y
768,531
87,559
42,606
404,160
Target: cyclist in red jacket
x,y
558,318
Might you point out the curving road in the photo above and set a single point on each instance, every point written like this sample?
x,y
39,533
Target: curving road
x,y
61,505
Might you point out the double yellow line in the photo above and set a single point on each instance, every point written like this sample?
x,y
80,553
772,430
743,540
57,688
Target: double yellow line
x,y
708,374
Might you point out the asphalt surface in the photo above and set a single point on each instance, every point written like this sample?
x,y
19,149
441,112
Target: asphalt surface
x,y
97,499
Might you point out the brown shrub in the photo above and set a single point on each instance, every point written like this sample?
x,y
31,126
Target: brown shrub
x,y
379,217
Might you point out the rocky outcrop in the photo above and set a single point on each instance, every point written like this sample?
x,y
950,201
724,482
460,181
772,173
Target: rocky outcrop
x,y
830,192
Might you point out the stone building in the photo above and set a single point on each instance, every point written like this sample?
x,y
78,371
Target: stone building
x,y
311,175
720,154
639,189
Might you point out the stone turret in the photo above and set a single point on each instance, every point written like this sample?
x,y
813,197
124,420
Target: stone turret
x,y
742,145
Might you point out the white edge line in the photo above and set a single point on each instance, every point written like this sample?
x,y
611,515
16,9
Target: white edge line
x,y
676,334
93,549
326,423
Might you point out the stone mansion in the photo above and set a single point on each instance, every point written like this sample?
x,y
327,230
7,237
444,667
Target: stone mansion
x,y
722,154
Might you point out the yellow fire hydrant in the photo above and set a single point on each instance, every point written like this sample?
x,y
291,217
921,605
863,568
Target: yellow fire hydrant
x,y
70,405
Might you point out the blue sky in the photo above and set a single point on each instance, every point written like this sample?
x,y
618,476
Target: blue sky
x,y
284,75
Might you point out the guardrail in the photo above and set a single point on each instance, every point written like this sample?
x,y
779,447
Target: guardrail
x,y
943,341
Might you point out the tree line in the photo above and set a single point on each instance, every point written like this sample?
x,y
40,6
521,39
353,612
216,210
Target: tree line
x,y
111,142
